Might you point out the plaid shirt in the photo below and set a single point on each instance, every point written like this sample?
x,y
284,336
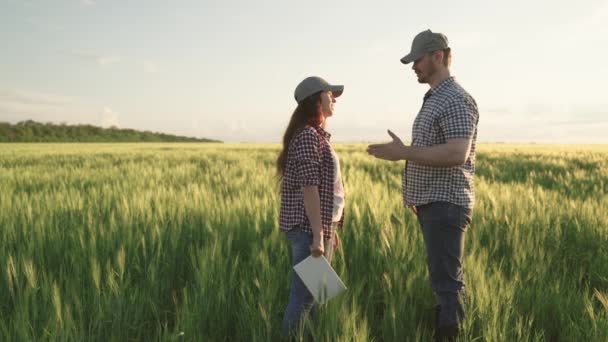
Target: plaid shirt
x,y
448,112
309,162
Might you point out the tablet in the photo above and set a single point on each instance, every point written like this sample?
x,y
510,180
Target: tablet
x,y
320,278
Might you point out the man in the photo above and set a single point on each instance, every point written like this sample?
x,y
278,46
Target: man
x,y
438,174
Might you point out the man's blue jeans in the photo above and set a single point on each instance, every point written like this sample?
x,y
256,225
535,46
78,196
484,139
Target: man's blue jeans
x,y
443,226
301,301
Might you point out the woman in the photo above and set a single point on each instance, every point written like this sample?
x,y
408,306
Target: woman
x,y
312,194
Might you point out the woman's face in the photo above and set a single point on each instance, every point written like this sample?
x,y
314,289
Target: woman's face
x,y
327,103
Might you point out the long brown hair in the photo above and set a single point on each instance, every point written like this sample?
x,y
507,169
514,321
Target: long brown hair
x,y
307,113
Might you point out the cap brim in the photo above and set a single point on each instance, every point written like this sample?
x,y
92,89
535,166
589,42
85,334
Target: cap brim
x,y
411,57
336,90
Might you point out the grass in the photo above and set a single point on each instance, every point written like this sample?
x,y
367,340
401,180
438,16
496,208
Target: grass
x,y
180,242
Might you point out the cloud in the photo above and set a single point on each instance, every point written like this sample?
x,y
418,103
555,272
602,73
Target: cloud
x,y
599,17
108,118
569,37
99,58
466,40
18,111
13,97
106,59
46,24
88,2
18,106
150,67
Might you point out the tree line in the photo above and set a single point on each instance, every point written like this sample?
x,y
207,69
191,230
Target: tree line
x,y
32,131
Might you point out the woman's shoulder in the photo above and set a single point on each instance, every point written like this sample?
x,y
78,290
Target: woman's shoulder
x,y
307,134
305,142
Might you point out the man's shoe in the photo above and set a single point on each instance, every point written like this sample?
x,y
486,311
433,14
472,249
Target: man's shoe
x,y
437,311
448,333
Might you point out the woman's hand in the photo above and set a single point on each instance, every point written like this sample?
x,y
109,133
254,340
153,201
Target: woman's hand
x,y
316,249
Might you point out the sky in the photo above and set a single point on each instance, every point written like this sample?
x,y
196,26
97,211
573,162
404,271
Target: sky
x,y
227,69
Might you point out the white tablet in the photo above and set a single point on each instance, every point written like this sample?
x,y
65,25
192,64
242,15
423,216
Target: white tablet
x,y
320,278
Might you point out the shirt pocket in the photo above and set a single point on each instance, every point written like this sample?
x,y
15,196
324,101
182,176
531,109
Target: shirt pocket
x,y
423,128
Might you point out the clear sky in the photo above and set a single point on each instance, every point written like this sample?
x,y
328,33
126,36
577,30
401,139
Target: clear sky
x,y
227,69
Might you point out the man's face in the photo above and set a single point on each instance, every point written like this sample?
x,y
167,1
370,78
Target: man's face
x,y
424,68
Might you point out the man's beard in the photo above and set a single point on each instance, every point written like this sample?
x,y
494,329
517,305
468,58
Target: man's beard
x,y
426,77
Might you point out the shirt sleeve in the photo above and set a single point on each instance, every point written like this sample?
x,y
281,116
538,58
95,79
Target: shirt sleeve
x,y
308,158
460,118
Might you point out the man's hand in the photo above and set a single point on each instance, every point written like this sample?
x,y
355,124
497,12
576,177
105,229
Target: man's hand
x,y
392,151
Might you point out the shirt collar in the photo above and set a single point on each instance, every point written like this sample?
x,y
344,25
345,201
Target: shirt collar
x,y
323,132
442,85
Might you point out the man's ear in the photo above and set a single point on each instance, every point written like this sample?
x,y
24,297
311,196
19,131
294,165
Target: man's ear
x,y
438,56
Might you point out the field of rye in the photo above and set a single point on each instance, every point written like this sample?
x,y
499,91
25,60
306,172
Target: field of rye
x,y
179,242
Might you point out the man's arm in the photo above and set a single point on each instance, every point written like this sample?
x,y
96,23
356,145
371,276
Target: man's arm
x,y
454,152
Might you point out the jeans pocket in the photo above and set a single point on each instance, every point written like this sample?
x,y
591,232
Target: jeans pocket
x,y
293,233
297,235
459,216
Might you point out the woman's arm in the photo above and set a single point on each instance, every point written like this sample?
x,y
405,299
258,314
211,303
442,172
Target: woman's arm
x,y
312,205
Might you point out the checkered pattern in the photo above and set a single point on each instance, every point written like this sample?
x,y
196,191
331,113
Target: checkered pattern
x,y
448,112
309,162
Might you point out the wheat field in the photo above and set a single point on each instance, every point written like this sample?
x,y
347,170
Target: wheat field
x,y
180,242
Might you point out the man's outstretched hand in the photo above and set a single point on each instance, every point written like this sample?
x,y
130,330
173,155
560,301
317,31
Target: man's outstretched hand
x,y
392,151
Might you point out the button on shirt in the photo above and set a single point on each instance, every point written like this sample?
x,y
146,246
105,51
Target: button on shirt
x,y
448,112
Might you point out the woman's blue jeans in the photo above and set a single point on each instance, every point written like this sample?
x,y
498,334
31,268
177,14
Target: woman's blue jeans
x,y
301,302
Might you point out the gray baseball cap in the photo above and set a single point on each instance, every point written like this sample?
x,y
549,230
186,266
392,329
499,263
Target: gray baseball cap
x,y
314,84
425,42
